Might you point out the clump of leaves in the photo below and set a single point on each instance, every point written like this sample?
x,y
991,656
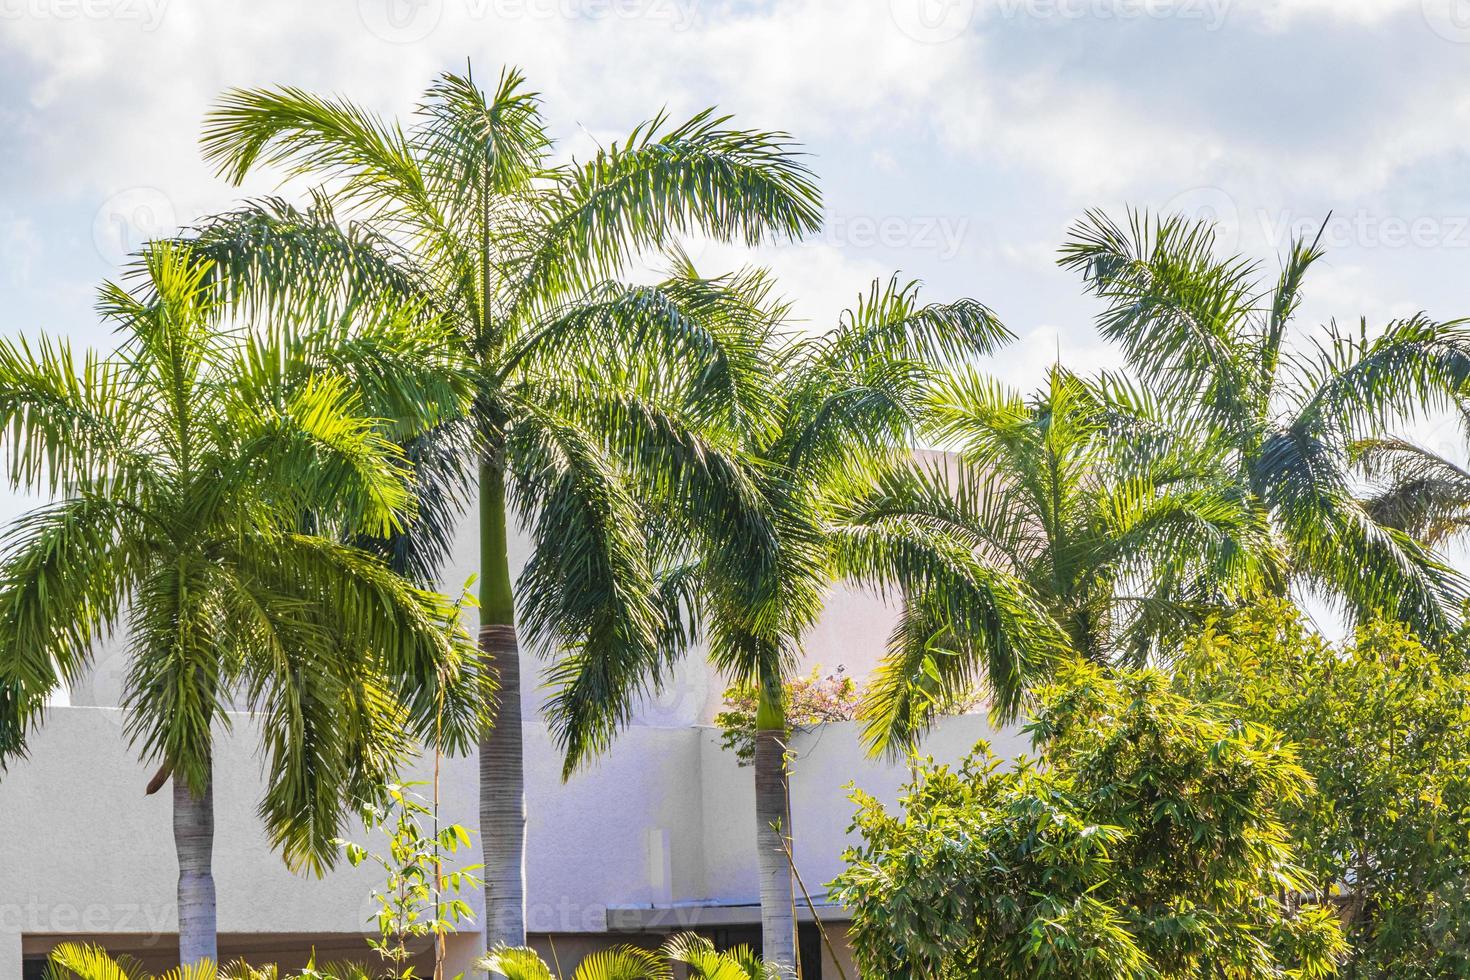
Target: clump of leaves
x,y
87,961
420,896
1146,841
1382,724
694,953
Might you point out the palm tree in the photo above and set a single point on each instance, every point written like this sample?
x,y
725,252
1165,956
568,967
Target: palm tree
x,y
205,480
827,423
1213,342
1120,528
464,214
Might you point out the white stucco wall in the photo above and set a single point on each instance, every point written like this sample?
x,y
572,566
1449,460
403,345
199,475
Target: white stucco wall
x,y
666,818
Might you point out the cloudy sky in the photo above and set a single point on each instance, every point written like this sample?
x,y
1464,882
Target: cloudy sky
x,y
955,139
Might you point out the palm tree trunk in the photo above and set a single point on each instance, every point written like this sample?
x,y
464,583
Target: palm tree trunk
x,y
773,822
502,764
194,844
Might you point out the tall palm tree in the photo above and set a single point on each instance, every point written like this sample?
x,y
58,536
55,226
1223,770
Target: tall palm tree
x,y
1213,341
465,214
827,424
206,479
1120,526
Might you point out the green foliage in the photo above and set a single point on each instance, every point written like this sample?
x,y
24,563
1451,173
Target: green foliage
x,y
463,215
84,961
1382,723
1211,335
1124,529
694,953
826,424
419,897
1417,490
1145,842
207,480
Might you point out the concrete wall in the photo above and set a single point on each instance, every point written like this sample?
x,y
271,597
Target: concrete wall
x,y
664,819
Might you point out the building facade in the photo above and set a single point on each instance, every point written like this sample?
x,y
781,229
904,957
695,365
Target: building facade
x,y
655,837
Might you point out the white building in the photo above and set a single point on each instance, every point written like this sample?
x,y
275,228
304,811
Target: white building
x,y
657,836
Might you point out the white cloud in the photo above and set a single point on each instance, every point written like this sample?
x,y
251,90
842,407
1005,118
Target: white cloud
x,y
19,243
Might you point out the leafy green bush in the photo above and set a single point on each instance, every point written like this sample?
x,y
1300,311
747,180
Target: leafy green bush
x,y
1382,723
1145,842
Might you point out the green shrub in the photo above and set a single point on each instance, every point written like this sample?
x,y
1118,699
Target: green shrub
x,y
1382,723
1145,842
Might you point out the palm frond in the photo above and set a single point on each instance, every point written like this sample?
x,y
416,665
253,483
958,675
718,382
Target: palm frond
x,y
889,323
88,962
66,421
325,138
1375,570
698,177
1358,385
478,146
1178,310
276,261
910,539
65,574
704,962
1426,495
588,587
515,963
